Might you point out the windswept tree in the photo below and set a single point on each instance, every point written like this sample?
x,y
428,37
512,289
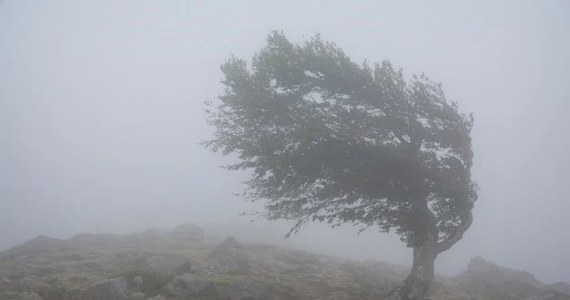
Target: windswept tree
x,y
330,140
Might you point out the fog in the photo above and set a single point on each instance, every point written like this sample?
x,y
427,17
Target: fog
x,y
102,113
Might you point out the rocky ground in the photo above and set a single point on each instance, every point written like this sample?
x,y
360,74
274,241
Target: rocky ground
x,y
182,264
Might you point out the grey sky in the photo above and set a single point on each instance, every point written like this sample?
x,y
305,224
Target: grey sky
x,y
101,112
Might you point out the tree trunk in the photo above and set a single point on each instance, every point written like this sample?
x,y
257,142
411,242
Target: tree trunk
x,y
426,250
419,281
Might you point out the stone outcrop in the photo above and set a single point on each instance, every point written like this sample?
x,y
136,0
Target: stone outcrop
x,y
229,258
561,287
495,282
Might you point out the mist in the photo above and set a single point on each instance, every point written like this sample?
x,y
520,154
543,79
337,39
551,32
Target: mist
x,y
102,115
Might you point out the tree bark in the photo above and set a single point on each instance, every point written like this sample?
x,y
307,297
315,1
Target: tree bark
x,y
418,283
420,279
425,251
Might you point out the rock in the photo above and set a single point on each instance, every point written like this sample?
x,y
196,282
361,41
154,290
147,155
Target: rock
x,y
188,233
237,290
222,248
488,271
494,282
168,263
229,257
137,296
137,282
561,287
6,279
190,285
113,289
159,297
29,296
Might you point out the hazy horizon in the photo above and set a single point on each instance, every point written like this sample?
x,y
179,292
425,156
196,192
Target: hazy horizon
x,y
101,115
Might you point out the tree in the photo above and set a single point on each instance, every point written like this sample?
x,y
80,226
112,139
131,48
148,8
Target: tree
x,y
333,141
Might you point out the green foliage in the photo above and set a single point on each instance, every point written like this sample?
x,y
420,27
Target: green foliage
x,y
330,140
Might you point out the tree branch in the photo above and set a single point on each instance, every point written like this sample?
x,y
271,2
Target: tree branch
x,y
456,235
401,139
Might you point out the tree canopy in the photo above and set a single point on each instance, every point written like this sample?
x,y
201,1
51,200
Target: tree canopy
x,y
331,140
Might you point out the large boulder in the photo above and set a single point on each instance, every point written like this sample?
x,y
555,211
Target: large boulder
x,y
482,269
499,283
561,287
228,257
137,283
224,248
5,279
113,289
190,285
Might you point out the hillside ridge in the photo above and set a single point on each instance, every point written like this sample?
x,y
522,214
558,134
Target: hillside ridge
x,y
185,263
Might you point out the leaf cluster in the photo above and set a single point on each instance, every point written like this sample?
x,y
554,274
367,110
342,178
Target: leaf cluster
x,y
327,139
